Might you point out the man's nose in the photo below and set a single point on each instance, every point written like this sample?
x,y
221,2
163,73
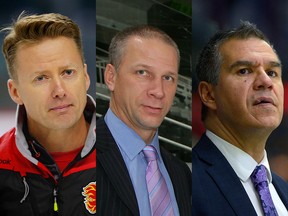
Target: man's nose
x,y
157,88
263,80
58,89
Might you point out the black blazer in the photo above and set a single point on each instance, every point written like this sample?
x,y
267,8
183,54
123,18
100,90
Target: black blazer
x,y
216,189
115,192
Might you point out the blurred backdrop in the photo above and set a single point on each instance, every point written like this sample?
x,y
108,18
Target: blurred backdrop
x,y
271,17
82,12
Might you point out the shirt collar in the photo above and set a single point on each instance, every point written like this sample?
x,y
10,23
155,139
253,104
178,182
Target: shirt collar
x,y
126,138
242,163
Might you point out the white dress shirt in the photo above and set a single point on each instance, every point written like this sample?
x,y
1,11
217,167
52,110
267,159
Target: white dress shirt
x,y
243,165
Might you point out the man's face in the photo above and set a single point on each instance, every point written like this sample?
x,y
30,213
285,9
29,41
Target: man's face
x,y
52,83
144,86
249,93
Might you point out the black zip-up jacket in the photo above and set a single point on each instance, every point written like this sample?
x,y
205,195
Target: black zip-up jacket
x,y
32,185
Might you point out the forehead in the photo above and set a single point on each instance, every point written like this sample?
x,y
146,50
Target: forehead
x,y
153,53
47,46
138,41
149,47
252,49
46,54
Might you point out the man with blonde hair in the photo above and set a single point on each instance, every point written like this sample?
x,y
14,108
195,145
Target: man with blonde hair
x,y
48,160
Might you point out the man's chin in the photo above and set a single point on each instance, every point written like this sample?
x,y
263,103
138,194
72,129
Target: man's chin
x,y
152,125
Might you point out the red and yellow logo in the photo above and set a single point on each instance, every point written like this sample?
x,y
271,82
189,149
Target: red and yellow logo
x,y
89,192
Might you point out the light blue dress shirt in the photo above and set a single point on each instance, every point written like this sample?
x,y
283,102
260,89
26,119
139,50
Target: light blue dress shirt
x,y
131,145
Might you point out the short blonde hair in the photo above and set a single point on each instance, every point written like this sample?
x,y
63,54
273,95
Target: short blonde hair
x,y
34,28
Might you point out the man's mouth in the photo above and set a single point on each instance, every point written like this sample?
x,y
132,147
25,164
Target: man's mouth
x,y
263,100
60,107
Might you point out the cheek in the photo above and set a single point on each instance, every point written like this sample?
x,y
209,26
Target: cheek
x,y
233,95
124,94
35,97
280,91
33,107
281,97
82,87
25,94
170,95
230,98
170,89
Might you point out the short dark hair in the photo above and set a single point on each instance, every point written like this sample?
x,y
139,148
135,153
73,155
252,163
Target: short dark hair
x,y
210,59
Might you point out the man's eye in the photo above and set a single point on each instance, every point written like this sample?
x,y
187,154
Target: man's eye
x,y
168,78
141,72
68,72
272,73
244,71
40,78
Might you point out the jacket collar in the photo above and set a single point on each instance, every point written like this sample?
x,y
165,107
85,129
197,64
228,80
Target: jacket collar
x,y
107,154
223,175
21,137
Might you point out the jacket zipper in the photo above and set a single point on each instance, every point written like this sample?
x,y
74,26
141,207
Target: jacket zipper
x,y
55,193
26,186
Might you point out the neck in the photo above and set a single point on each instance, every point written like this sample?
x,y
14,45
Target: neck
x,y
62,140
250,140
147,136
146,133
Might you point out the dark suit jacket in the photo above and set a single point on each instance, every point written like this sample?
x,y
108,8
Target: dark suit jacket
x,y
216,189
115,193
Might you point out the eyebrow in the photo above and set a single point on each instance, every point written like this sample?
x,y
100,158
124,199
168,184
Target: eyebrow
x,y
251,64
145,66
36,73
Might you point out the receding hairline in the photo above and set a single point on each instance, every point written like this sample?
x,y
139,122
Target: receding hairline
x,y
155,36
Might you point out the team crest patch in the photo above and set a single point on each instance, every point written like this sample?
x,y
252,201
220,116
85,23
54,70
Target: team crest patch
x,y
89,192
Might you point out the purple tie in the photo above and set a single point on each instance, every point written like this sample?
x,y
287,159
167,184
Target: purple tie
x,y
259,179
159,197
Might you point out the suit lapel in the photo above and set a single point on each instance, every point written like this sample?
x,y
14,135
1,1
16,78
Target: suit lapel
x,y
282,188
170,169
224,177
178,180
109,156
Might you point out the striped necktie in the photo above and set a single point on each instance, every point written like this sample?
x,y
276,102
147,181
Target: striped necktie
x,y
159,197
259,179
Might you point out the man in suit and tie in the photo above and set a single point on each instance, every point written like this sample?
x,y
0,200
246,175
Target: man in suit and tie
x,y
242,96
142,77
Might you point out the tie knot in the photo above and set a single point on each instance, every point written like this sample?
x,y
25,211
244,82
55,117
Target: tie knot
x,y
259,175
149,153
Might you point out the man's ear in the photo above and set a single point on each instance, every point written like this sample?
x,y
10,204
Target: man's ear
x,y
110,76
87,78
13,91
207,95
